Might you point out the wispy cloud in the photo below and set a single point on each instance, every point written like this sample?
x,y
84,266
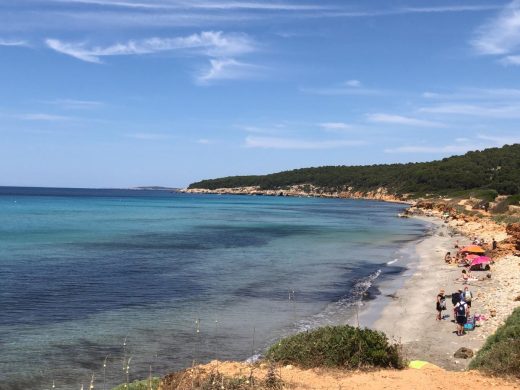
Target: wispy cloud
x,y
402,120
451,8
500,35
73,104
292,143
434,149
488,94
500,140
227,69
149,136
11,42
460,145
353,83
351,87
510,60
44,117
335,126
210,43
503,111
194,4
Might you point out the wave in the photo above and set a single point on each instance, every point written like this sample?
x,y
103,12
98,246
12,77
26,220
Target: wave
x,y
336,312
392,261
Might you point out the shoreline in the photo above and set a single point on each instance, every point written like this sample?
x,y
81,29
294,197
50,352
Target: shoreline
x,y
409,317
300,191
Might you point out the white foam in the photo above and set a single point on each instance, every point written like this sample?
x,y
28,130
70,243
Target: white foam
x,y
392,261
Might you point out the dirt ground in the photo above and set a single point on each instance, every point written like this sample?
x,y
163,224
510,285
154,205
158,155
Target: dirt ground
x,y
428,377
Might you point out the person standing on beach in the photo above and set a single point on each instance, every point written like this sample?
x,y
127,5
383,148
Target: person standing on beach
x,y
468,296
461,311
441,304
494,244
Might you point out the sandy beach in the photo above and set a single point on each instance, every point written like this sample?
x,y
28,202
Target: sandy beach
x,y
411,316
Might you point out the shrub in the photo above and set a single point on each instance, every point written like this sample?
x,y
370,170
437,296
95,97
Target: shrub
x,y
514,200
140,385
501,352
337,346
487,195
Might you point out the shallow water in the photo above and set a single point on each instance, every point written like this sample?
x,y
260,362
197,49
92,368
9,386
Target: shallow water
x,y
182,277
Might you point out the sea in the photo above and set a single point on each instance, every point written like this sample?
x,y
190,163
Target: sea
x,y
103,286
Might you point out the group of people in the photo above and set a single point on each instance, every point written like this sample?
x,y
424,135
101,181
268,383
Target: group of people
x,y
460,259
461,301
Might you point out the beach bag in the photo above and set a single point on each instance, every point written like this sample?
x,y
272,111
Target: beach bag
x,y
470,324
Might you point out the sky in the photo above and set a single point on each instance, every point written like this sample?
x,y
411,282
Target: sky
x,y
124,93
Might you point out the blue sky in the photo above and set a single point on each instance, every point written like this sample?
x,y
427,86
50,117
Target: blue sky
x,y
121,93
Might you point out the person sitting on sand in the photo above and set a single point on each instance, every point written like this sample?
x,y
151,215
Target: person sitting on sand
x,y
461,312
447,258
464,277
463,260
441,304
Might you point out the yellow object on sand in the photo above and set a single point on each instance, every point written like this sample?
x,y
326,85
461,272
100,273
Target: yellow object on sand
x,y
418,364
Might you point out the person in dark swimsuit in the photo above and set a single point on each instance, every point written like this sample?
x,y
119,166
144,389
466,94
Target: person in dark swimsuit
x,y
441,304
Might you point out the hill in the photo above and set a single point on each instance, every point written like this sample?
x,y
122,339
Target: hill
x,y
495,169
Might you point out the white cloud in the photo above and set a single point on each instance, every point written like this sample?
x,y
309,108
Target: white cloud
x,y
500,35
204,141
343,90
210,43
510,60
450,8
227,69
291,143
215,5
75,104
503,111
402,120
44,117
353,83
7,42
434,149
149,136
461,145
335,126
476,94
500,140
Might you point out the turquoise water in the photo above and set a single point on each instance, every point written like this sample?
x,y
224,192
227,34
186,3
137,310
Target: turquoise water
x,y
181,277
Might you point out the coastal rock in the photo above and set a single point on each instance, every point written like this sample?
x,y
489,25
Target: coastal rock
x,y
513,229
463,353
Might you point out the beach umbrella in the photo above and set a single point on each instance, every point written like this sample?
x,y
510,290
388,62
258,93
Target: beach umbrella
x,y
473,249
480,260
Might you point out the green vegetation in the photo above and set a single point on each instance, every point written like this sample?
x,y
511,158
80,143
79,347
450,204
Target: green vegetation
x,y
495,170
337,346
501,353
140,385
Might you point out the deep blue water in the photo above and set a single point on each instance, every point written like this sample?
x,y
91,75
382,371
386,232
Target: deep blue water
x,y
81,270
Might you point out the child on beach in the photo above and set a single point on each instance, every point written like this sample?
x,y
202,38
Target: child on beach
x,y
447,258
